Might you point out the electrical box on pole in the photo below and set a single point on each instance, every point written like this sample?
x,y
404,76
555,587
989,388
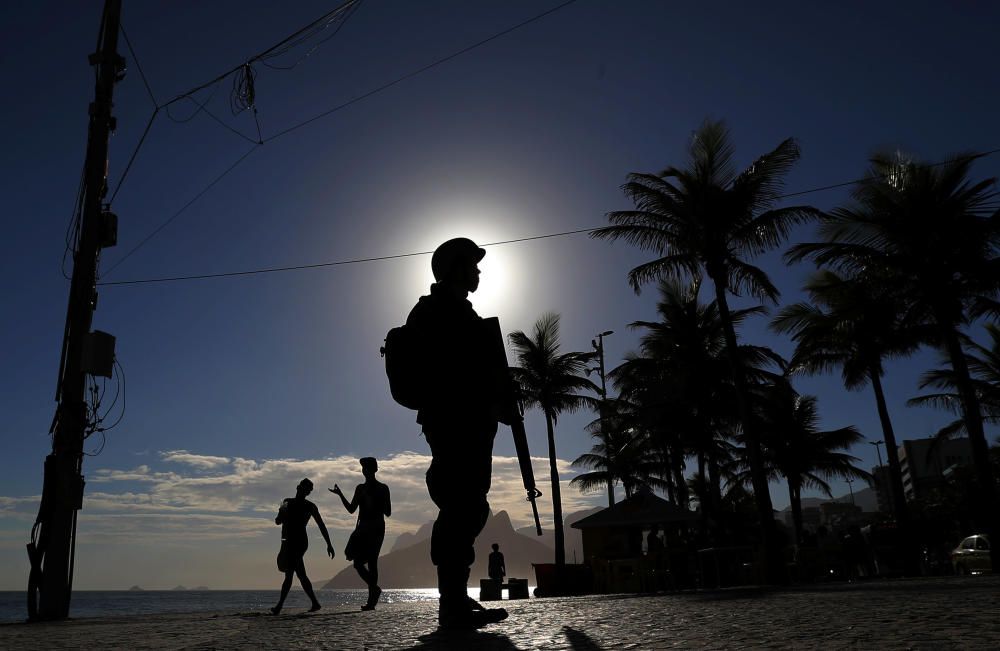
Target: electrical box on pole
x,y
53,537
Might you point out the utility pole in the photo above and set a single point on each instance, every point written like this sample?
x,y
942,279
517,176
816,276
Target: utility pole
x,y
598,345
53,538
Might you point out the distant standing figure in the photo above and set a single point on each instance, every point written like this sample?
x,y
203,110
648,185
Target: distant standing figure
x,y
371,500
654,544
498,570
293,516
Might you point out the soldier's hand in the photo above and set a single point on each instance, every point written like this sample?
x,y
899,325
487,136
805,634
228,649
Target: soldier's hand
x,y
335,490
329,550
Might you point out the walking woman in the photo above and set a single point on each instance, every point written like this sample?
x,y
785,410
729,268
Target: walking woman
x,y
371,500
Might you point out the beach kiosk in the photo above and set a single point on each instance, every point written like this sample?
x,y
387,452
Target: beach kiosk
x,y
622,553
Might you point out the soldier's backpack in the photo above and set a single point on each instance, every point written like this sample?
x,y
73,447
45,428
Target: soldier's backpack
x,y
403,367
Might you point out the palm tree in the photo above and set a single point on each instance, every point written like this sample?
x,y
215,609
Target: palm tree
x,y
710,217
551,381
679,387
931,235
984,365
626,456
796,449
853,325
649,412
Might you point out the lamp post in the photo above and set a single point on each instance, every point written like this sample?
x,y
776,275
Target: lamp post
x,y
598,345
883,488
878,450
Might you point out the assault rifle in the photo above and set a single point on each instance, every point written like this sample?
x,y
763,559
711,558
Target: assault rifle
x,y
512,411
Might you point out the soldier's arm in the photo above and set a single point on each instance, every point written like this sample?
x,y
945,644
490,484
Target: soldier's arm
x,y
387,507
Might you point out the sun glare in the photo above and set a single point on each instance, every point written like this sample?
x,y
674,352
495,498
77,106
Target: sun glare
x,y
499,269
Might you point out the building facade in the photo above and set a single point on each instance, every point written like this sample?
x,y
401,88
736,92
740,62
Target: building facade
x,y
924,462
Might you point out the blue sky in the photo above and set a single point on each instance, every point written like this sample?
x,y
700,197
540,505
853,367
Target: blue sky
x,y
237,386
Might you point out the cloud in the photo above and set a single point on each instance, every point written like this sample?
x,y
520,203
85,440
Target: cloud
x,y
201,461
212,505
139,473
227,487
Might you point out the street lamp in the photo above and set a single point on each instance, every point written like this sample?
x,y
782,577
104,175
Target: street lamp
x,y
598,345
878,450
883,488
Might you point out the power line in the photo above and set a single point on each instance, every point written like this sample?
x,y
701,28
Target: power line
x,y
419,71
149,123
273,52
135,152
138,66
183,208
981,154
283,46
265,270
308,54
335,263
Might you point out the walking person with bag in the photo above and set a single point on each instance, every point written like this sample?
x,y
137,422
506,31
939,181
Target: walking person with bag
x,y
293,516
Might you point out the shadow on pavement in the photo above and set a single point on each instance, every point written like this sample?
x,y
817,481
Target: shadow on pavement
x,y
580,641
298,614
479,640
921,585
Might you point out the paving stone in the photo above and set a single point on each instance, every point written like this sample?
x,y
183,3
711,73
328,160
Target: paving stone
x,y
919,614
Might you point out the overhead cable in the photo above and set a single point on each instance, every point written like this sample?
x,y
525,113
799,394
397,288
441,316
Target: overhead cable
x,y
266,270
182,208
271,51
335,263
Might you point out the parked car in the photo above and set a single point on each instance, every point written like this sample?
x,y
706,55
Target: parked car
x,y
972,555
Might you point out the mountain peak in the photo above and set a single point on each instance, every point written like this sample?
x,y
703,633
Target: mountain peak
x,y
409,565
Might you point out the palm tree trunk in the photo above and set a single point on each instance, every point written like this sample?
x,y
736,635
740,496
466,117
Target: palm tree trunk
x,y
774,568
702,480
610,458
898,498
715,503
988,509
557,516
795,499
683,495
669,478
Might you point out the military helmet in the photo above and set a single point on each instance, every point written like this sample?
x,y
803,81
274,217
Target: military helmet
x,y
459,249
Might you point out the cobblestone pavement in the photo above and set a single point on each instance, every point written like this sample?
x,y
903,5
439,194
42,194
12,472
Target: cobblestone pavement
x,y
941,613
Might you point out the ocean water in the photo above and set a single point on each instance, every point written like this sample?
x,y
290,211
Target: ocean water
x,y
103,603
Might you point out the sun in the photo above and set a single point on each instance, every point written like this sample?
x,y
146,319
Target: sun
x,y
486,226
494,281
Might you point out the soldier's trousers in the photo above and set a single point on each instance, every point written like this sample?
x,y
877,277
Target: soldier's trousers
x,y
458,481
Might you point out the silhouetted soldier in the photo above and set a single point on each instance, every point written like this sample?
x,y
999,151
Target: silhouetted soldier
x,y
459,420
371,500
497,568
293,516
